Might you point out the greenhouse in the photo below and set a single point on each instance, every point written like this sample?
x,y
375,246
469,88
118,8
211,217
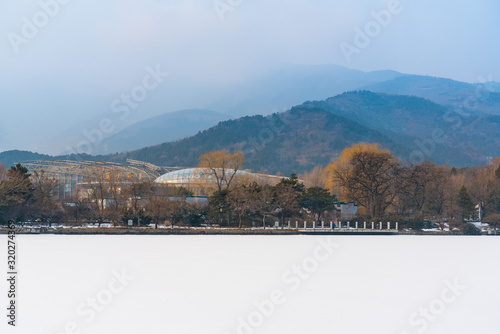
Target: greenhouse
x,y
203,180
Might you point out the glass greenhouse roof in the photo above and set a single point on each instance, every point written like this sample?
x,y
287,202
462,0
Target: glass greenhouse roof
x,y
192,175
201,175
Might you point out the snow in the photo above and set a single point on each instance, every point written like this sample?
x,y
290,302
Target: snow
x,y
211,284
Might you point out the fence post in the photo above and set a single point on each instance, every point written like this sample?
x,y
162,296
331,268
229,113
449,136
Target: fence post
x,y
396,225
305,224
288,224
356,225
388,225
373,225
380,225
322,224
314,224
364,225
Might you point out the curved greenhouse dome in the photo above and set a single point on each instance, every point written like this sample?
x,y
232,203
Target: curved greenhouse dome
x,y
202,180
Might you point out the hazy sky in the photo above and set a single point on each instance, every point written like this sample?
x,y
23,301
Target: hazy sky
x,y
80,58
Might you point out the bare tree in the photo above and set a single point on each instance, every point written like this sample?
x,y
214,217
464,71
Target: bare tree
x,y
96,187
42,204
222,166
314,178
484,186
157,197
262,200
417,183
239,198
286,199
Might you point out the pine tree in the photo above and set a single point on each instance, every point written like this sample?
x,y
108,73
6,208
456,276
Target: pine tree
x,y
465,203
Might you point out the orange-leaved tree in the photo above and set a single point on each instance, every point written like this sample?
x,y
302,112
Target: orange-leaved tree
x,y
367,175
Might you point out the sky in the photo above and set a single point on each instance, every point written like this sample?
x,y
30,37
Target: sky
x,y
67,61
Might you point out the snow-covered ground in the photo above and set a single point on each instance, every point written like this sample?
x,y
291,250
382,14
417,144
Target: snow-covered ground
x,y
254,284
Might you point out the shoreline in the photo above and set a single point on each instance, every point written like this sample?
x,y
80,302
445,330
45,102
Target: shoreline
x,y
216,231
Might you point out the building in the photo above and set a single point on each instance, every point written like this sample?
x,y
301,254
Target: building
x,y
203,182
73,175
346,210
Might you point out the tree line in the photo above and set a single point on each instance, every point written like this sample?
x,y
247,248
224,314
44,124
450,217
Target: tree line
x,y
383,187
387,188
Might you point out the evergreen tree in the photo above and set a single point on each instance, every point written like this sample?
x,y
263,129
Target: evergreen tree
x,y
317,200
15,190
465,203
293,180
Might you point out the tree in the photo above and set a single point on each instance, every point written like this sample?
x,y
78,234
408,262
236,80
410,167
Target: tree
x,y
260,200
465,203
157,201
367,175
195,215
15,187
176,211
76,209
219,205
222,166
436,198
287,193
315,177
418,183
116,194
142,192
263,200
484,187
42,204
317,200
238,199
96,188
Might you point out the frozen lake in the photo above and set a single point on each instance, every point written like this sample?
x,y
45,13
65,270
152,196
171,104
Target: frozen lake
x,y
254,284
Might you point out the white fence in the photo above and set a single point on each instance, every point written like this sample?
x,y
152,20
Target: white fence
x,y
343,226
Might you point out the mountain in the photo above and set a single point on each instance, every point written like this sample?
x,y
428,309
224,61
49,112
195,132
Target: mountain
x,y
478,98
263,94
293,141
12,157
315,132
76,116
477,135
281,89
164,128
9,158
407,115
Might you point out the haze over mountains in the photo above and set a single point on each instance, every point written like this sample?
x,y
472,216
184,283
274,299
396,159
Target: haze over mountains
x,y
159,129
415,116
263,93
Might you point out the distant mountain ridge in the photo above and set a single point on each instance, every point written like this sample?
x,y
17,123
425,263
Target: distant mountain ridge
x,y
315,132
261,94
159,129
480,98
12,157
